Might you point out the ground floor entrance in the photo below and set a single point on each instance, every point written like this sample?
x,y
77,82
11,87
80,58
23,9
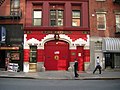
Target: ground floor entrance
x,y
2,59
112,60
55,51
56,55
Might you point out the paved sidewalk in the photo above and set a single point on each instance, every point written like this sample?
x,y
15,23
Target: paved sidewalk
x,y
106,75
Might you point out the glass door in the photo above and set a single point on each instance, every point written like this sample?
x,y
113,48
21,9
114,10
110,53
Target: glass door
x,y
33,59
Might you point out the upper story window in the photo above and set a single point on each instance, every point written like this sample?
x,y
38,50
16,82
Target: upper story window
x,y
37,14
56,15
76,15
118,23
37,17
100,0
15,5
101,21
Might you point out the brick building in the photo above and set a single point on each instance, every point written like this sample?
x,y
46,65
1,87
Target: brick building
x,y
11,32
105,32
55,33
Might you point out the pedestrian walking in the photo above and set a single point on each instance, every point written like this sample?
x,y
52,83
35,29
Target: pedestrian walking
x,y
76,68
97,66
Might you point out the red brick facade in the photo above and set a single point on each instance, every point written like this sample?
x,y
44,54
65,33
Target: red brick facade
x,y
74,41
102,39
109,7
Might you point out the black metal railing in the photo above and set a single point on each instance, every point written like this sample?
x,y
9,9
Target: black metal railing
x,y
116,1
14,14
1,2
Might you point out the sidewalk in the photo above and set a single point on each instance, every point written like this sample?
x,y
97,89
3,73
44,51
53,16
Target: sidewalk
x,y
65,75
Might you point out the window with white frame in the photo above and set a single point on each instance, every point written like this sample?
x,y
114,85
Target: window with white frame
x,y
118,23
101,21
37,17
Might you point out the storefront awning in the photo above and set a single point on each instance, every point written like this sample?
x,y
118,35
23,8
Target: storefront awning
x,y
111,45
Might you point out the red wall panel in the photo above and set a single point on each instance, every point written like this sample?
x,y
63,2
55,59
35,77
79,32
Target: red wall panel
x,y
26,55
40,55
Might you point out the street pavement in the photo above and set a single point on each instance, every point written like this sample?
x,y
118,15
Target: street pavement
x,y
65,75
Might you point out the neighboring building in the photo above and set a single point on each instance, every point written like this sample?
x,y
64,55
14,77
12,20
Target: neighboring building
x,y
55,33
11,32
105,32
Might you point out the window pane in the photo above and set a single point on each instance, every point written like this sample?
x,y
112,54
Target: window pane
x,y
53,22
76,18
76,14
98,45
75,22
37,14
60,14
15,3
37,21
37,17
60,22
117,23
33,54
52,14
101,21
56,17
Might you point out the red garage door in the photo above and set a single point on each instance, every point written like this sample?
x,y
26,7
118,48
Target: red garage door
x,y
56,55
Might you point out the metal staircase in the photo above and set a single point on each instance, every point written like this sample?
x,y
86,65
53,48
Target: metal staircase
x,y
1,2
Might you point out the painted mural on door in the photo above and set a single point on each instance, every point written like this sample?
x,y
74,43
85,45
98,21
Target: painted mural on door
x,y
56,55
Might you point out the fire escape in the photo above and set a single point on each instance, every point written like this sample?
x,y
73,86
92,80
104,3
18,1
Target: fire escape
x,y
1,2
15,14
116,1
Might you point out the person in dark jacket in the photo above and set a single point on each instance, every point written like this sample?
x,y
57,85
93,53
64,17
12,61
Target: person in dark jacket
x,y
76,68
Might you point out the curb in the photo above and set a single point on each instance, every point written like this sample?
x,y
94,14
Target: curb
x,y
17,77
84,78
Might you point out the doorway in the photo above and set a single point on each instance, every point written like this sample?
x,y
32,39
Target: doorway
x,y
2,59
56,55
109,60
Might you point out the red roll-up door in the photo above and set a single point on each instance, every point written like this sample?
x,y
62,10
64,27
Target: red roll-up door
x,y
56,55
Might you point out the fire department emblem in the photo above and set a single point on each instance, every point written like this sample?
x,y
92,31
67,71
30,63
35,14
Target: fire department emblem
x,y
56,57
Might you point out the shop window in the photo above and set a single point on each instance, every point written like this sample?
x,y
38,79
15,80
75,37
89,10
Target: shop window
x,y
101,21
15,7
98,45
33,54
75,17
117,23
37,17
